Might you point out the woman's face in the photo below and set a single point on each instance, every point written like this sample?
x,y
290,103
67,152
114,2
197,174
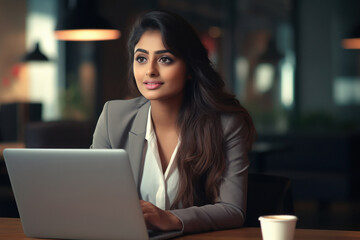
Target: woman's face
x,y
158,73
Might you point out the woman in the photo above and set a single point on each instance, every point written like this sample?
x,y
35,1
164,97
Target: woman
x,y
187,139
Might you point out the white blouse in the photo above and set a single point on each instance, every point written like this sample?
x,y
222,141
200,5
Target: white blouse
x,y
157,187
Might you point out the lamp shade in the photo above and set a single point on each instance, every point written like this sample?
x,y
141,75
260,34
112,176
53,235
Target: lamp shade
x,y
353,41
35,55
83,24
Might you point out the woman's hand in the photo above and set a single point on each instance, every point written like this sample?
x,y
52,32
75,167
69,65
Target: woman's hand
x,y
158,219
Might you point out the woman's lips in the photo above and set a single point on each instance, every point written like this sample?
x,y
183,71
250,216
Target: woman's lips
x,y
151,85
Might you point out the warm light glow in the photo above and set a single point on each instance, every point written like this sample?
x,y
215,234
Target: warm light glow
x,y
346,91
287,84
214,32
351,43
87,34
264,77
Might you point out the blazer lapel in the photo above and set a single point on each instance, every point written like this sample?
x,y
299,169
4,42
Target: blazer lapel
x,y
137,140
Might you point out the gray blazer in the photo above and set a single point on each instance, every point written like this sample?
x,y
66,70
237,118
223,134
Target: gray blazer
x,y
122,124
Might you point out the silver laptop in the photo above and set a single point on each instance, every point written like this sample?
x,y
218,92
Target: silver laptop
x,y
77,194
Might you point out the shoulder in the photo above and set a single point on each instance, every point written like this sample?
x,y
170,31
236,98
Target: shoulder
x,y
119,112
236,129
231,121
116,109
116,120
126,105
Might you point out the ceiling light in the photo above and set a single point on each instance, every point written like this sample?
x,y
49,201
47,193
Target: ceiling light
x,y
353,42
35,55
82,23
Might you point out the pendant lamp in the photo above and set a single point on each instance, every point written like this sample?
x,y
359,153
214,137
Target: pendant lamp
x,y
353,42
35,55
82,23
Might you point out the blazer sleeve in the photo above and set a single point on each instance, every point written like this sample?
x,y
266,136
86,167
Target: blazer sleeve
x,y
101,136
230,208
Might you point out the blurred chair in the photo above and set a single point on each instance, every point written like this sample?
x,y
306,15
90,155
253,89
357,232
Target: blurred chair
x,y
267,195
14,117
59,134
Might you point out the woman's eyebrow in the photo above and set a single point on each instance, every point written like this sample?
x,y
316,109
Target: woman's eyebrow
x,y
141,50
156,52
162,51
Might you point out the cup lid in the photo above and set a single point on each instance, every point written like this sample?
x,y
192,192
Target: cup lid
x,y
278,218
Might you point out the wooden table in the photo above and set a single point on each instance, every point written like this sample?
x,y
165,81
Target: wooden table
x,y
10,228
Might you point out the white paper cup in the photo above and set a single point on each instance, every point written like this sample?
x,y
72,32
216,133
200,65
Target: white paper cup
x,y
278,227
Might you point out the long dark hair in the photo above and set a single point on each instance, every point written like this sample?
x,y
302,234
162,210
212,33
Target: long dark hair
x,y
201,155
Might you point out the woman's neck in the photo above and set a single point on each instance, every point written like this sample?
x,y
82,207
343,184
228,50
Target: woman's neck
x,y
165,115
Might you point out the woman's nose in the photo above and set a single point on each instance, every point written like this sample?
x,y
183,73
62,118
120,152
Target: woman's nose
x,y
152,70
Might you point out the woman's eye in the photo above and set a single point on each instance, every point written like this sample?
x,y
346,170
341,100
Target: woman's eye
x,y
166,60
141,59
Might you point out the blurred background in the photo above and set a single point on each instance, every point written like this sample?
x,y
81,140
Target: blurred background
x,y
287,61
